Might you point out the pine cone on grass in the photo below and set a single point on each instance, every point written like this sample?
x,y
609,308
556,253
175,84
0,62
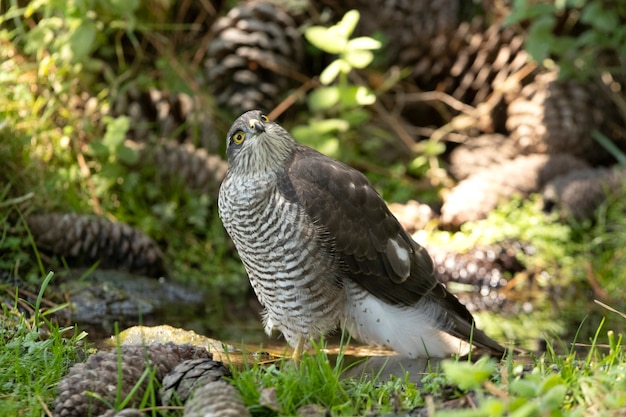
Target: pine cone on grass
x,y
216,399
474,197
101,372
252,49
188,376
194,167
84,240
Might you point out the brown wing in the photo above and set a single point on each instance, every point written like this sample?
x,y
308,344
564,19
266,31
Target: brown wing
x,y
367,239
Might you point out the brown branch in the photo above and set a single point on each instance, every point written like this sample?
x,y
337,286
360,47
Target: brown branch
x,y
593,282
439,96
291,98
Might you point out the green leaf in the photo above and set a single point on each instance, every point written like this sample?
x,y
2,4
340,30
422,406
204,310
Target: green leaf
x,y
528,409
493,407
364,96
363,42
354,96
348,23
304,134
332,71
81,42
323,98
433,148
330,125
467,375
554,397
563,45
524,388
517,14
358,58
347,96
124,7
98,150
116,131
320,135
551,382
325,39
356,116
126,155
598,17
540,37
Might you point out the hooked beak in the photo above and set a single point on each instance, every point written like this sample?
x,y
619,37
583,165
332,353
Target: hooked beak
x,y
257,125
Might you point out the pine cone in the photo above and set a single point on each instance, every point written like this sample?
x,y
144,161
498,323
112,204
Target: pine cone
x,y
484,268
188,376
156,114
84,240
469,63
196,168
480,152
253,48
554,116
100,374
474,197
579,193
216,399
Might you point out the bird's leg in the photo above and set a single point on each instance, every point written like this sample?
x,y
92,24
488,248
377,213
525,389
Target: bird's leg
x,y
298,349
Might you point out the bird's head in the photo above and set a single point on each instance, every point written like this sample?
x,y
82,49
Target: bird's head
x,y
254,143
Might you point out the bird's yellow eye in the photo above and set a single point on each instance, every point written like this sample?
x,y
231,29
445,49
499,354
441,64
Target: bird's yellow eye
x,y
238,137
265,118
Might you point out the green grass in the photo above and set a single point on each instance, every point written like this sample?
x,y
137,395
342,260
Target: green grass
x,y
550,385
35,352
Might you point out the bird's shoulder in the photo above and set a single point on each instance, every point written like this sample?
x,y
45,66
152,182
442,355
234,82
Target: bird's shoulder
x,y
370,243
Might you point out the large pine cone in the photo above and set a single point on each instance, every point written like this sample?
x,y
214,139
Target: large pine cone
x,y
254,47
173,162
553,116
100,373
216,399
474,197
188,376
83,240
470,63
156,114
579,193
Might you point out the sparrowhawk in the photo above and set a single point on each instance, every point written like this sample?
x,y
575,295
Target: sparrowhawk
x,y
322,250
